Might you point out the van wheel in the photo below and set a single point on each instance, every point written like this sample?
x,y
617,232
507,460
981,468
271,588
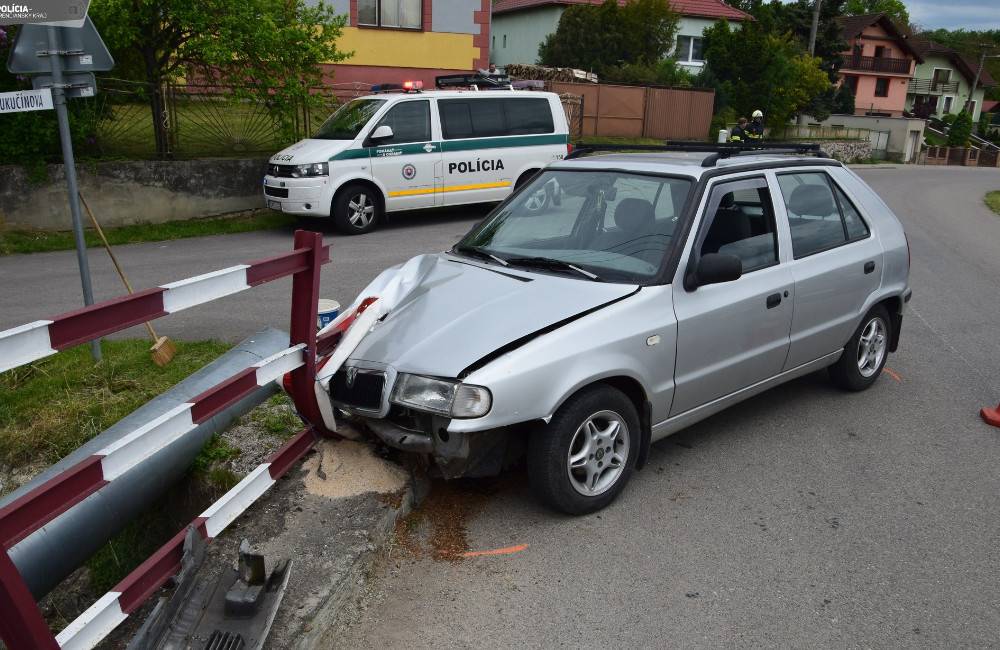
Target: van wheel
x,y
357,209
582,460
865,354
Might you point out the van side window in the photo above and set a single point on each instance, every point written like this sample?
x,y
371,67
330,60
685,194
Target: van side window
x,y
743,225
491,117
410,122
528,115
471,118
814,213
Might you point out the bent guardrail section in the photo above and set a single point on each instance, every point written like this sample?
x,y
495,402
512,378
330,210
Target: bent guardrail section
x,y
22,625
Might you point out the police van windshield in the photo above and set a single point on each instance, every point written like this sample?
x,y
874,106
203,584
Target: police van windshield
x,y
346,123
613,225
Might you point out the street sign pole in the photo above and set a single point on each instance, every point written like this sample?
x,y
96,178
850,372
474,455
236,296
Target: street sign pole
x,y
69,164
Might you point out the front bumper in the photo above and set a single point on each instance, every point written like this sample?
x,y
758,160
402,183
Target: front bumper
x,y
305,196
456,454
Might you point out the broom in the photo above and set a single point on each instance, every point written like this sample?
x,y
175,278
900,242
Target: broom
x,y
163,349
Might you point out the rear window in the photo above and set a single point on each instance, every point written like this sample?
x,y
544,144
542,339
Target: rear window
x,y
490,117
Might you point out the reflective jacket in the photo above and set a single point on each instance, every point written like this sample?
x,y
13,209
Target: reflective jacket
x,y
738,134
755,131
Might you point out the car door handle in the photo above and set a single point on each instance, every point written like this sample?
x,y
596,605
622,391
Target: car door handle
x,y
773,300
869,267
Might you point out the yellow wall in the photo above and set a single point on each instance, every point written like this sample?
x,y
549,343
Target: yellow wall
x,y
403,49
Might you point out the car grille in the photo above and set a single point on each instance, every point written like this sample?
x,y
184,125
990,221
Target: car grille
x,y
364,392
282,171
280,192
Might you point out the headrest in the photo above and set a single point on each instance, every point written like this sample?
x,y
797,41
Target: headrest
x,y
813,200
634,215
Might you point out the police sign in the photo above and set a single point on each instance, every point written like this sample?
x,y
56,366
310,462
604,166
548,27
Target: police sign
x,y
26,100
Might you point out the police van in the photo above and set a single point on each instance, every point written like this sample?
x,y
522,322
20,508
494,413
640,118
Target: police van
x,y
401,148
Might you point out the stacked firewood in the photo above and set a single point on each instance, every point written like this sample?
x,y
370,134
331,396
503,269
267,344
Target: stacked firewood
x,y
520,71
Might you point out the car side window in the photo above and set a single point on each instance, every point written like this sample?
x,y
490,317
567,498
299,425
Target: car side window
x,y
742,224
818,219
410,122
471,118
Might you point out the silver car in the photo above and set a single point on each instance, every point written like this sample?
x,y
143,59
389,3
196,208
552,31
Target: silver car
x,y
615,300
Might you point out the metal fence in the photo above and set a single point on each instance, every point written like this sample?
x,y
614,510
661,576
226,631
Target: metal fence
x,y
195,120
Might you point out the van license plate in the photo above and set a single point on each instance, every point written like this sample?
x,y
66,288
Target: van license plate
x,y
274,205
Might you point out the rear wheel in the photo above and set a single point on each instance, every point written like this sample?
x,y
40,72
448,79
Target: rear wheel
x,y
866,353
582,460
357,209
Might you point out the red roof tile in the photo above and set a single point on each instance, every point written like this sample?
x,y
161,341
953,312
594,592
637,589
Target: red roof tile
x,y
699,8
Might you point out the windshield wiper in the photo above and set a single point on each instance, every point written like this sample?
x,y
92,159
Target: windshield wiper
x,y
552,265
476,251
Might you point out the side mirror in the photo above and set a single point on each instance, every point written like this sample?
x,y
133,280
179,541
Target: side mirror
x,y
383,132
714,268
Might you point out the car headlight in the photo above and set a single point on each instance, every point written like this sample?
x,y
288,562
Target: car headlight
x,y
447,398
314,169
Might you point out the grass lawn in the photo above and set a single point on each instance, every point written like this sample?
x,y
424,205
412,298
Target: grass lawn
x,y
38,241
993,200
934,140
52,406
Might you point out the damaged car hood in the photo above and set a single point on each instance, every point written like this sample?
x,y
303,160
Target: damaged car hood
x,y
461,311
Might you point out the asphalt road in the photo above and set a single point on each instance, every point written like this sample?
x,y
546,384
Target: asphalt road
x,y
805,517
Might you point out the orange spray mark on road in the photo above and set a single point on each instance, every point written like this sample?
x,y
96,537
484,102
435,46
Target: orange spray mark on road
x,y
892,373
507,550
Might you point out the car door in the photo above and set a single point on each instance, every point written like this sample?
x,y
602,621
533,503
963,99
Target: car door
x,y
836,263
409,163
733,334
478,161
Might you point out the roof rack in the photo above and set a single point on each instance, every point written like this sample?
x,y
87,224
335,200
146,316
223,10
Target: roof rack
x,y
474,81
716,151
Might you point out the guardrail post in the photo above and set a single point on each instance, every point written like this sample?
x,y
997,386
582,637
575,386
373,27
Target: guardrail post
x,y
21,625
305,305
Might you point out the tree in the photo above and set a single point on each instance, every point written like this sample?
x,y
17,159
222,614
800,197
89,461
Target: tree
x,y
960,130
609,37
756,69
894,9
268,49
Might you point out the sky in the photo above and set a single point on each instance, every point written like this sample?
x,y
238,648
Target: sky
x,y
970,14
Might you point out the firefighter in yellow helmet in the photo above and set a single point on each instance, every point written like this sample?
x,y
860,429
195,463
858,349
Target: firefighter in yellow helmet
x,y
755,132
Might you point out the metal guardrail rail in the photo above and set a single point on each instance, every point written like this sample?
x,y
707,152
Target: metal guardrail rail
x,y
22,626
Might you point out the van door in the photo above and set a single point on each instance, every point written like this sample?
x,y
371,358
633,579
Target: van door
x,y
837,264
477,160
409,163
733,334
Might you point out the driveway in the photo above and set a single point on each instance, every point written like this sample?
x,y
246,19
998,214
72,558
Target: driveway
x,y
803,517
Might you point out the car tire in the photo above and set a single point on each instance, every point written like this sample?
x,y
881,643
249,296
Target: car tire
x,y
566,470
866,353
357,209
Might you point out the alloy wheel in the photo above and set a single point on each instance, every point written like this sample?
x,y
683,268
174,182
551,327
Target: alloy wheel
x,y
598,453
872,347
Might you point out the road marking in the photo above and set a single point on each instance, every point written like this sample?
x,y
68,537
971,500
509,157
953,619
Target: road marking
x,y
892,373
507,550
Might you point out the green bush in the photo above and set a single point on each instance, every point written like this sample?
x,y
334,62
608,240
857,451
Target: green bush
x,y
961,129
948,118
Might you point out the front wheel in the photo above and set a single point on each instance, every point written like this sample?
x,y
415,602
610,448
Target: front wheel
x,y
865,354
582,460
357,209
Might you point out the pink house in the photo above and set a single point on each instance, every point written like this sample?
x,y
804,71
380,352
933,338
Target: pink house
x,y
878,64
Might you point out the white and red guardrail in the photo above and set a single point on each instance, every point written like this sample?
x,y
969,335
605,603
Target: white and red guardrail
x,y
22,626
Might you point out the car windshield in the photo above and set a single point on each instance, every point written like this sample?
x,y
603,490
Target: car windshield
x,y
613,225
348,120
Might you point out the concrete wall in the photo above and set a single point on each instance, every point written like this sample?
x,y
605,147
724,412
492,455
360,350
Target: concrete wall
x,y
131,192
925,70
524,32
903,132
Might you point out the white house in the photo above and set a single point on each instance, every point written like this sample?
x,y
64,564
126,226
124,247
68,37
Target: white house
x,y
520,26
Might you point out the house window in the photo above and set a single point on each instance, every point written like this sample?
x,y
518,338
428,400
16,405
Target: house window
x,y
402,14
879,51
852,84
971,107
689,49
947,104
941,77
882,87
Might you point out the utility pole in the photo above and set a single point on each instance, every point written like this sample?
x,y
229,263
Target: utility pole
x,y
814,28
979,72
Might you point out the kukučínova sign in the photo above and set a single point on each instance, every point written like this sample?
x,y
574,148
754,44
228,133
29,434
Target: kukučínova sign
x,y
26,100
